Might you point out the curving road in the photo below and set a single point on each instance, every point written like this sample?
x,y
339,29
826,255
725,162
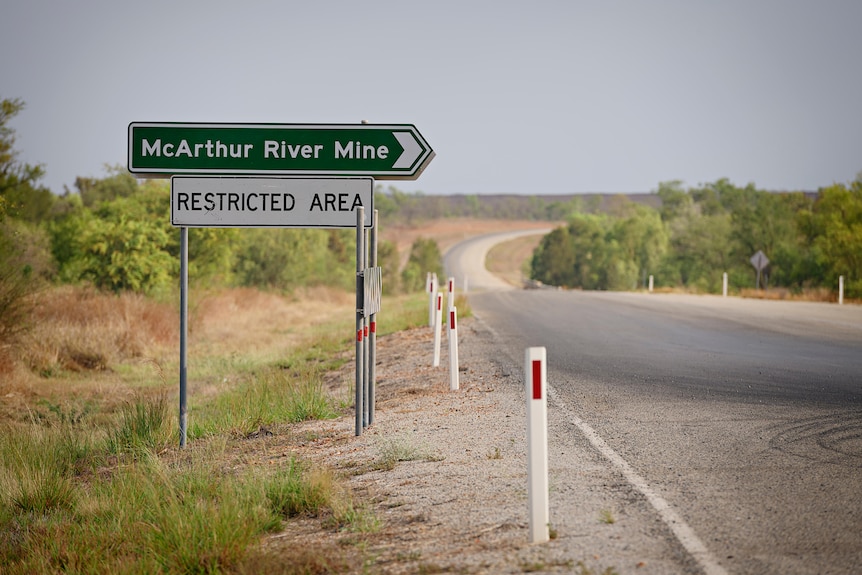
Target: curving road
x,y
465,261
739,420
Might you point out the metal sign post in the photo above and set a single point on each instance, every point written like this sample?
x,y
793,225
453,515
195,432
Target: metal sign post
x,y
184,333
372,335
286,190
360,320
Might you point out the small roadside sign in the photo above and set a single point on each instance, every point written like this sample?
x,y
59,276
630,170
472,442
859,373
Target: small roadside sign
x,y
759,260
259,202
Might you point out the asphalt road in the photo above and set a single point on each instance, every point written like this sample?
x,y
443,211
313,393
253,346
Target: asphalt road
x,y
739,420
465,261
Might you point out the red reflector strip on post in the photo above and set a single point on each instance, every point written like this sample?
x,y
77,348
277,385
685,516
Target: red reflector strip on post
x,y
373,327
359,335
537,379
451,319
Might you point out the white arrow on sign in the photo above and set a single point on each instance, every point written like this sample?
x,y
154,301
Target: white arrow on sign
x,y
412,149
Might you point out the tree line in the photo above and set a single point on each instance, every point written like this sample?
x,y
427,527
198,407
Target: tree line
x,y
114,233
698,234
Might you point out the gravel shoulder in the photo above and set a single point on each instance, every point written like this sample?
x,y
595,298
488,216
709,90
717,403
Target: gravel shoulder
x,y
457,503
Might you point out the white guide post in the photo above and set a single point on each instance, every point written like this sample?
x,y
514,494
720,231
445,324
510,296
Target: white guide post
x,y
438,327
724,284
454,382
840,290
429,289
650,284
450,294
432,294
536,386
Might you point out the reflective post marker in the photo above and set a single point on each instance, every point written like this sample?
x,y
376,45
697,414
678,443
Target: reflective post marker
x,y
536,386
724,284
432,293
454,382
438,326
840,290
450,294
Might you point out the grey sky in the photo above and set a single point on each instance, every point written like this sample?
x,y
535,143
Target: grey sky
x,y
515,97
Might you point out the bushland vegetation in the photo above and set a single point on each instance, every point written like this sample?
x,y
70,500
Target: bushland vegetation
x,y
697,234
91,478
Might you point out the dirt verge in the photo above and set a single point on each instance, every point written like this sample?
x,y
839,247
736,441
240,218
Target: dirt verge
x,y
445,475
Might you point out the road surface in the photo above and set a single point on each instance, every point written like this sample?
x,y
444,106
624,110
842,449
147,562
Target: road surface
x,y
739,420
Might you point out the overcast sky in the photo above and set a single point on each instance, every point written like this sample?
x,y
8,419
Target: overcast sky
x,y
515,97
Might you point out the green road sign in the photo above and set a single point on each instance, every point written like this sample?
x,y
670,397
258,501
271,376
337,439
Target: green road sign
x,y
385,152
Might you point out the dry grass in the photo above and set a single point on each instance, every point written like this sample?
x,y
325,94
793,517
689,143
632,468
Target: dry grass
x,y
79,329
87,346
108,438
249,319
811,294
511,260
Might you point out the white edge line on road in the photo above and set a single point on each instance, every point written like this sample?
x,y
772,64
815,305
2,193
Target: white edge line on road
x,y
684,534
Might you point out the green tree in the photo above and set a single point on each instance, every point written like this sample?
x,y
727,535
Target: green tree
x,y
578,255
553,260
675,201
284,259
389,261
126,254
700,251
833,226
21,196
119,184
641,240
424,258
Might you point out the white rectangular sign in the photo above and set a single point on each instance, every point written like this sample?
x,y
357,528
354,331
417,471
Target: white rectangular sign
x,y
261,202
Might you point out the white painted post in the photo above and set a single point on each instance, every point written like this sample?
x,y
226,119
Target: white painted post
x,y
438,327
724,284
450,295
840,290
650,283
432,290
536,386
454,382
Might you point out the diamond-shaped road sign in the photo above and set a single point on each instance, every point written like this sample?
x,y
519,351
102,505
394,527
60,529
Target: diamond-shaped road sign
x,y
759,260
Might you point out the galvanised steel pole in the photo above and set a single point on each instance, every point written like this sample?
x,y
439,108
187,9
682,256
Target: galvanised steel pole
x,y
184,331
360,265
372,335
